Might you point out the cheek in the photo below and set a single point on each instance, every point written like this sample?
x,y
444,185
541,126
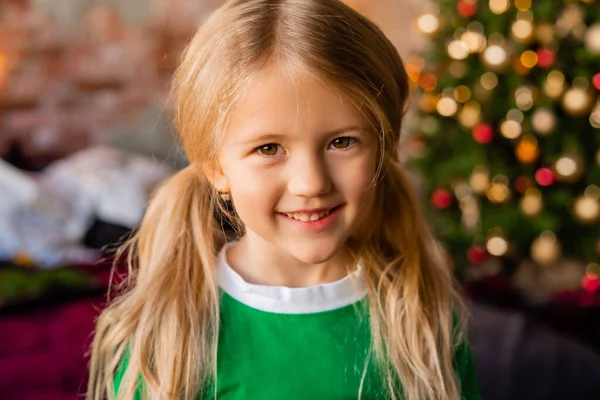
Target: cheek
x,y
355,178
251,189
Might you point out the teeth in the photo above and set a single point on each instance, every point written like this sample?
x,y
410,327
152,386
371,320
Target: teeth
x,y
308,217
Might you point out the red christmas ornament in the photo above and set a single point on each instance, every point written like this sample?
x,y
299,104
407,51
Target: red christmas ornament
x,y
522,183
428,82
483,133
441,198
466,8
476,254
544,177
546,58
596,81
590,283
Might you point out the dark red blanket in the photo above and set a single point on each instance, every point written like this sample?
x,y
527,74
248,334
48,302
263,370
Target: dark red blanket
x,y
44,346
42,353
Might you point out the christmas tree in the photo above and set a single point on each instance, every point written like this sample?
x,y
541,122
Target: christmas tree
x,y
507,132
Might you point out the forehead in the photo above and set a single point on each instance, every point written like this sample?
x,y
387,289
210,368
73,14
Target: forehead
x,y
273,101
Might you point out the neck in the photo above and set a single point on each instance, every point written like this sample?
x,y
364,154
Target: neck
x,y
264,264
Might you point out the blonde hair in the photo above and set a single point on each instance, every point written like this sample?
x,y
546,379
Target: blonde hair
x,y
168,320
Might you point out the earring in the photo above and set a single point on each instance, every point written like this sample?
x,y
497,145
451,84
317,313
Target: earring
x,y
225,196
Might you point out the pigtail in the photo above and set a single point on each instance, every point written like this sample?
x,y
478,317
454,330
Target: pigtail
x,y
412,297
172,309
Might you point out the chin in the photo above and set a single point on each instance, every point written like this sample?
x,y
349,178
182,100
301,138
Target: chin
x,y
317,253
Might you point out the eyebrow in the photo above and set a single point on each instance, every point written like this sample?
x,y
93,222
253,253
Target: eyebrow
x,y
276,137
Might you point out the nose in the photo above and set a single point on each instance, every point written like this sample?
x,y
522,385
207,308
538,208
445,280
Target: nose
x,y
309,176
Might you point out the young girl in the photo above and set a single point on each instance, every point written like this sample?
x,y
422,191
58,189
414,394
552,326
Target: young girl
x,y
332,287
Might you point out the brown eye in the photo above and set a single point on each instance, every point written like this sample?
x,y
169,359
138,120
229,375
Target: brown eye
x,y
343,142
270,149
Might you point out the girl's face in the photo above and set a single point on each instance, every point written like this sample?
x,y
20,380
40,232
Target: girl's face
x,y
299,162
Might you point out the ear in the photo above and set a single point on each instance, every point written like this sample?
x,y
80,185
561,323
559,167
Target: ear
x,y
215,176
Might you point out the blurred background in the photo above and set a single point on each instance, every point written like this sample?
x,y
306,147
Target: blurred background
x,y
503,138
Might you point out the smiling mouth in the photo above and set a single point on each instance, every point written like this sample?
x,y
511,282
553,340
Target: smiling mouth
x,y
310,216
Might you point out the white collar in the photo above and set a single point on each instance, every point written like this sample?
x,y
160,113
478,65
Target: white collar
x,y
286,300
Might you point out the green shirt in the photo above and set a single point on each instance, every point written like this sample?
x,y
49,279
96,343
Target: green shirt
x,y
300,343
